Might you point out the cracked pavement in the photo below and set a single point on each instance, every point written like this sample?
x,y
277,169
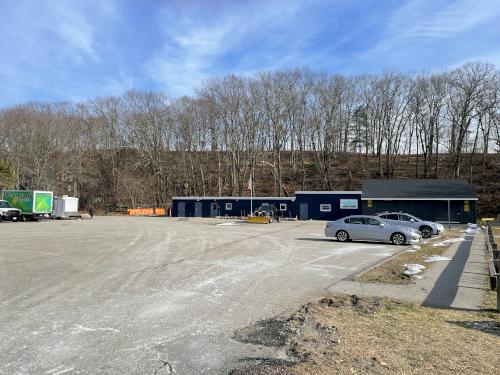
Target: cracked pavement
x,y
135,295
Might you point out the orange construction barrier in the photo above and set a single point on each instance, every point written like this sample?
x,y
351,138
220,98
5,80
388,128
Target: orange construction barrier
x,y
146,211
160,211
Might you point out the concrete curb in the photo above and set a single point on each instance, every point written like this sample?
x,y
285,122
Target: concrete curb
x,y
369,268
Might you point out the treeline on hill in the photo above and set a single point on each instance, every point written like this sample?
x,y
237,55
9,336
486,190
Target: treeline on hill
x,y
293,130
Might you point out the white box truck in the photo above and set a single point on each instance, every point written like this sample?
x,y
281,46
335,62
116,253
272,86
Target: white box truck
x,y
65,207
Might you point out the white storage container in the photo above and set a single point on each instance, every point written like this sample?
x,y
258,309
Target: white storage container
x,y
65,206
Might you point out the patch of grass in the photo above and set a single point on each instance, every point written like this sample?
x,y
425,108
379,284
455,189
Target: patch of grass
x,y
403,338
490,296
496,233
392,271
490,300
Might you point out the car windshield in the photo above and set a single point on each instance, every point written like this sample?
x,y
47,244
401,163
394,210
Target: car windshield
x,y
4,204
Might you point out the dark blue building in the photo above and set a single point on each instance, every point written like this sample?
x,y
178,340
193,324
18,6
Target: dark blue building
x,y
440,200
306,205
228,206
429,199
327,205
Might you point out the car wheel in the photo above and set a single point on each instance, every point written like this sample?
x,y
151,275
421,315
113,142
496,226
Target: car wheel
x,y
342,236
398,239
426,232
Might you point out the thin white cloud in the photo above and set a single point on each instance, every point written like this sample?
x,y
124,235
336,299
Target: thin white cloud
x,y
78,40
433,34
46,43
421,19
428,19
193,47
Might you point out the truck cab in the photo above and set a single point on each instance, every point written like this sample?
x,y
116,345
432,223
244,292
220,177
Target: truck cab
x,y
7,212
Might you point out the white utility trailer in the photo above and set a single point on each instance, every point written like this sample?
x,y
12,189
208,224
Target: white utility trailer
x,y
65,207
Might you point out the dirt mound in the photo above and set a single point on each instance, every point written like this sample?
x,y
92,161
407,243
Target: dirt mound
x,y
270,332
303,336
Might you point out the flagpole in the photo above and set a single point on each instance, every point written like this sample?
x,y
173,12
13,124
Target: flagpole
x,y
251,193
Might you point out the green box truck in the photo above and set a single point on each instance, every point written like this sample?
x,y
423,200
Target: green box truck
x,y
33,204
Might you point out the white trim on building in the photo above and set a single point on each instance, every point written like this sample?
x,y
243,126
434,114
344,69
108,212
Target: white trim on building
x,y
236,198
419,199
328,192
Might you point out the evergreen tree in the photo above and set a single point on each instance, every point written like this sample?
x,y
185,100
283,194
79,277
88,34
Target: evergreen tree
x,y
7,175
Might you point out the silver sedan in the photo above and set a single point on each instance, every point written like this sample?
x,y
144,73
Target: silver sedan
x,y
370,228
426,228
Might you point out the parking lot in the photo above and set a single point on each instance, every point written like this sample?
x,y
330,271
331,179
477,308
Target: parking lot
x,y
138,294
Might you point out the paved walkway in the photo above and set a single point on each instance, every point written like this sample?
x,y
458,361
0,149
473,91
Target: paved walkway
x,y
458,283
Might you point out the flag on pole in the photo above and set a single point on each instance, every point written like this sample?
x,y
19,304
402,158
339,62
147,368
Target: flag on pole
x,y
250,183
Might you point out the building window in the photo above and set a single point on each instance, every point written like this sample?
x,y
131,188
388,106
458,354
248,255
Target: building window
x,y
282,206
229,206
325,207
349,204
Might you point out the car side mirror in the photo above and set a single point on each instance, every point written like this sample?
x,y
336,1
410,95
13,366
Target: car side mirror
x,y
412,220
382,224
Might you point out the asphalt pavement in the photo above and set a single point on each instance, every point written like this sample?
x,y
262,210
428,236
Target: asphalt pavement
x,y
135,295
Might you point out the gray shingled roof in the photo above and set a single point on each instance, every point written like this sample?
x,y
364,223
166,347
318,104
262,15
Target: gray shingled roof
x,y
418,189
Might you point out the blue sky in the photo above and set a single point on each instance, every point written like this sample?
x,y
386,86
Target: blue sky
x,y
76,50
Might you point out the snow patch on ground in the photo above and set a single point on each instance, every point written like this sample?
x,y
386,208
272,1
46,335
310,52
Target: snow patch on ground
x,y
60,370
387,254
228,224
472,229
412,269
448,242
436,258
79,329
414,249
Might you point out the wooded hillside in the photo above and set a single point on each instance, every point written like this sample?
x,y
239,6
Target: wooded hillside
x,y
291,130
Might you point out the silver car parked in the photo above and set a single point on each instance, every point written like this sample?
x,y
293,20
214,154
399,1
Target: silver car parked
x,y
426,228
370,228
